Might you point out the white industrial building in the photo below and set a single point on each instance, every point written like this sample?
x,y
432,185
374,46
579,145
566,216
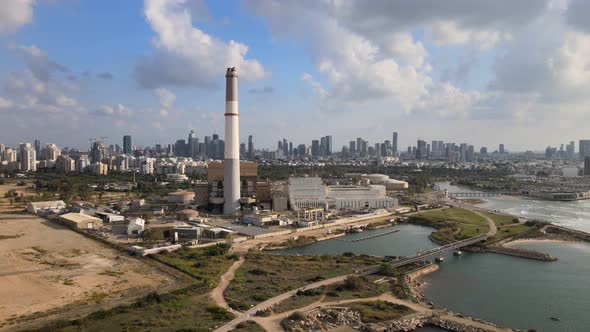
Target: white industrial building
x,y
306,192
390,184
359,197
45,207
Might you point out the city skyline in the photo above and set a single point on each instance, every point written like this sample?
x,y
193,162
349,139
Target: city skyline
x,y
458,74
247,147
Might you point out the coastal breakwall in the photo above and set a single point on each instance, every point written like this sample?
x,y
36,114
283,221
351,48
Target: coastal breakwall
x,y
413,284
445,321
558,230
521,252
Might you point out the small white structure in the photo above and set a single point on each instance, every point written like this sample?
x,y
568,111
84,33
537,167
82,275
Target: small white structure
x,y
176,177
46,207
137,203
305,223
135,227
109,217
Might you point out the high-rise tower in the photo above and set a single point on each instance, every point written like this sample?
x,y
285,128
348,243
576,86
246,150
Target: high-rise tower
x,y
231,178
127,144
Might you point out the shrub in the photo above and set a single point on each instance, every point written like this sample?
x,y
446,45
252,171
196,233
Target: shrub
x,y
296,316
258,272
218,313
259,297
353,283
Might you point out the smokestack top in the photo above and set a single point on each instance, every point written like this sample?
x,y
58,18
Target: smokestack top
x,y
231,86
231,72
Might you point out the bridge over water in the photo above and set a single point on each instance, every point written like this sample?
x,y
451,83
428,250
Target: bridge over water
x,y
424,255
473,194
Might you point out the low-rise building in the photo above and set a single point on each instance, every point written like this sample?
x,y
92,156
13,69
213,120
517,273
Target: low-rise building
x,y
187,215
259,219
80,221
176,177
109,217
180,197
46,207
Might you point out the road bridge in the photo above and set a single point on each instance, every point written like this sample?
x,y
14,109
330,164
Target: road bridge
x,y
472,194
424,255
428,254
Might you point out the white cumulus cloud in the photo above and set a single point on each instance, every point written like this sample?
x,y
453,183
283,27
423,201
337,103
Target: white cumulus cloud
x,y
14,14
185,55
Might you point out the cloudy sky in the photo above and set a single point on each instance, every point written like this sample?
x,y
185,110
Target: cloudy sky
x,y
485,72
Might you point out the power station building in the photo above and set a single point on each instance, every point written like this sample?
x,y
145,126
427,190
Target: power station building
x,y
311,192
307,192
248,176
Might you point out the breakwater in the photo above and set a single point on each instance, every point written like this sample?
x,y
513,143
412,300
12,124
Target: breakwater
x,y
443,319
337,316
563,231
369,237
521,252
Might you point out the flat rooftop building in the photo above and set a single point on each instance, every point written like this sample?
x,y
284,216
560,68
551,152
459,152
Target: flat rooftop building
x,y
48,206
359,197
80,221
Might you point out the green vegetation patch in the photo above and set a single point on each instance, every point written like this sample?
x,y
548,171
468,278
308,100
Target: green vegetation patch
x,y
248,326
357,288
452,224
264,275
500,219
188,309
506,232
203,264
379,311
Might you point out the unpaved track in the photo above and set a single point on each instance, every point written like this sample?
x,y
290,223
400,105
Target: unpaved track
x,y
217,293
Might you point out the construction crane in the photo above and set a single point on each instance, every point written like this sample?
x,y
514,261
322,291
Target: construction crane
x,y
102,138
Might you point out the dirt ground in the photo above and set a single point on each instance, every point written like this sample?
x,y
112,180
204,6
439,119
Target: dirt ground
x,y
46,267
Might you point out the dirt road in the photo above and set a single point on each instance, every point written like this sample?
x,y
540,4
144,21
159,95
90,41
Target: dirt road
x,y
217,293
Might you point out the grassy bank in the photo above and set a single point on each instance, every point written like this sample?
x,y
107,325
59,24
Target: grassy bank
x,y
452,224
264,275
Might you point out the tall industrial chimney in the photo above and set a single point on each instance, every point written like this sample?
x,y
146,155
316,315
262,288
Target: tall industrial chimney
x,y
231,178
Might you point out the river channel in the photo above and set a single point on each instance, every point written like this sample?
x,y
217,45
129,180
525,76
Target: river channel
x,y
509,291
574,215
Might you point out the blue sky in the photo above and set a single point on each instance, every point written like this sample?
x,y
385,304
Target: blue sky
x,y
489,73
